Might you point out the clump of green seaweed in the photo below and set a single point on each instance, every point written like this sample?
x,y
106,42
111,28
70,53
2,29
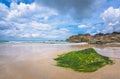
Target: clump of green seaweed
x,y
87,60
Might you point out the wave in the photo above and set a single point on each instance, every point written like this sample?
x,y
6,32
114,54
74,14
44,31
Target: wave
x,y
44,42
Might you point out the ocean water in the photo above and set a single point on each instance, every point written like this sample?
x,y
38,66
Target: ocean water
x,y
37,41
48,42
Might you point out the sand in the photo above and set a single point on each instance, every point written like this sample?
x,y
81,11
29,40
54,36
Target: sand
x,y
35,61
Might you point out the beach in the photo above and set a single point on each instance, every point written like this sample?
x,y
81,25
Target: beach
x,y
36,61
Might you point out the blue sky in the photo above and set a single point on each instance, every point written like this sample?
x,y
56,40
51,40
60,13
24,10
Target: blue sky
x,y
57,19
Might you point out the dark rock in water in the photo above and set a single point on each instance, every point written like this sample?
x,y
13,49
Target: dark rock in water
x,y
99,38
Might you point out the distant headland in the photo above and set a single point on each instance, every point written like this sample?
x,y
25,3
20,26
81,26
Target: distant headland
x,y
99,38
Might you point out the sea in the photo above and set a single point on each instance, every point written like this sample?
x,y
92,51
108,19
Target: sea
x,y
36,41
42,42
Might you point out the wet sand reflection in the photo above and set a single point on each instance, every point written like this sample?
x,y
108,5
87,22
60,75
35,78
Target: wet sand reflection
x,y
35,61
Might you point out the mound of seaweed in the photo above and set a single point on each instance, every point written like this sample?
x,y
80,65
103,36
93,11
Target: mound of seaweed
x,y
87,60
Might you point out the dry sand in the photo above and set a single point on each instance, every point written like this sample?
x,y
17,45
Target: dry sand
x,y
35,61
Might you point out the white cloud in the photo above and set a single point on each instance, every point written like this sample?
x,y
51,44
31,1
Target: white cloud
x,y
28,12
28,21
83,26
35,35
3,11
40,26
57,33
111,18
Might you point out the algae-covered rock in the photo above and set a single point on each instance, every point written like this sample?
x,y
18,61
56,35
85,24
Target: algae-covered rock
x,y
87,60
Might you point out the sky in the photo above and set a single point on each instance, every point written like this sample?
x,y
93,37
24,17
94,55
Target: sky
x,y
57,19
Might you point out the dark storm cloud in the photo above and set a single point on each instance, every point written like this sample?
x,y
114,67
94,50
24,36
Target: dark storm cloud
x,y
78,9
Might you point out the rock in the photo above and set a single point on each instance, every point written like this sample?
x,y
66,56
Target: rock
x,y
99,38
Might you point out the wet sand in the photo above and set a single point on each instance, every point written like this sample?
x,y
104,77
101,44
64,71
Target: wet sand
x,y
35,61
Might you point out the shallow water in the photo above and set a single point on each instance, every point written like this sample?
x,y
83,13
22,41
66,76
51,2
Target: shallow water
x,y
35,61
113,52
